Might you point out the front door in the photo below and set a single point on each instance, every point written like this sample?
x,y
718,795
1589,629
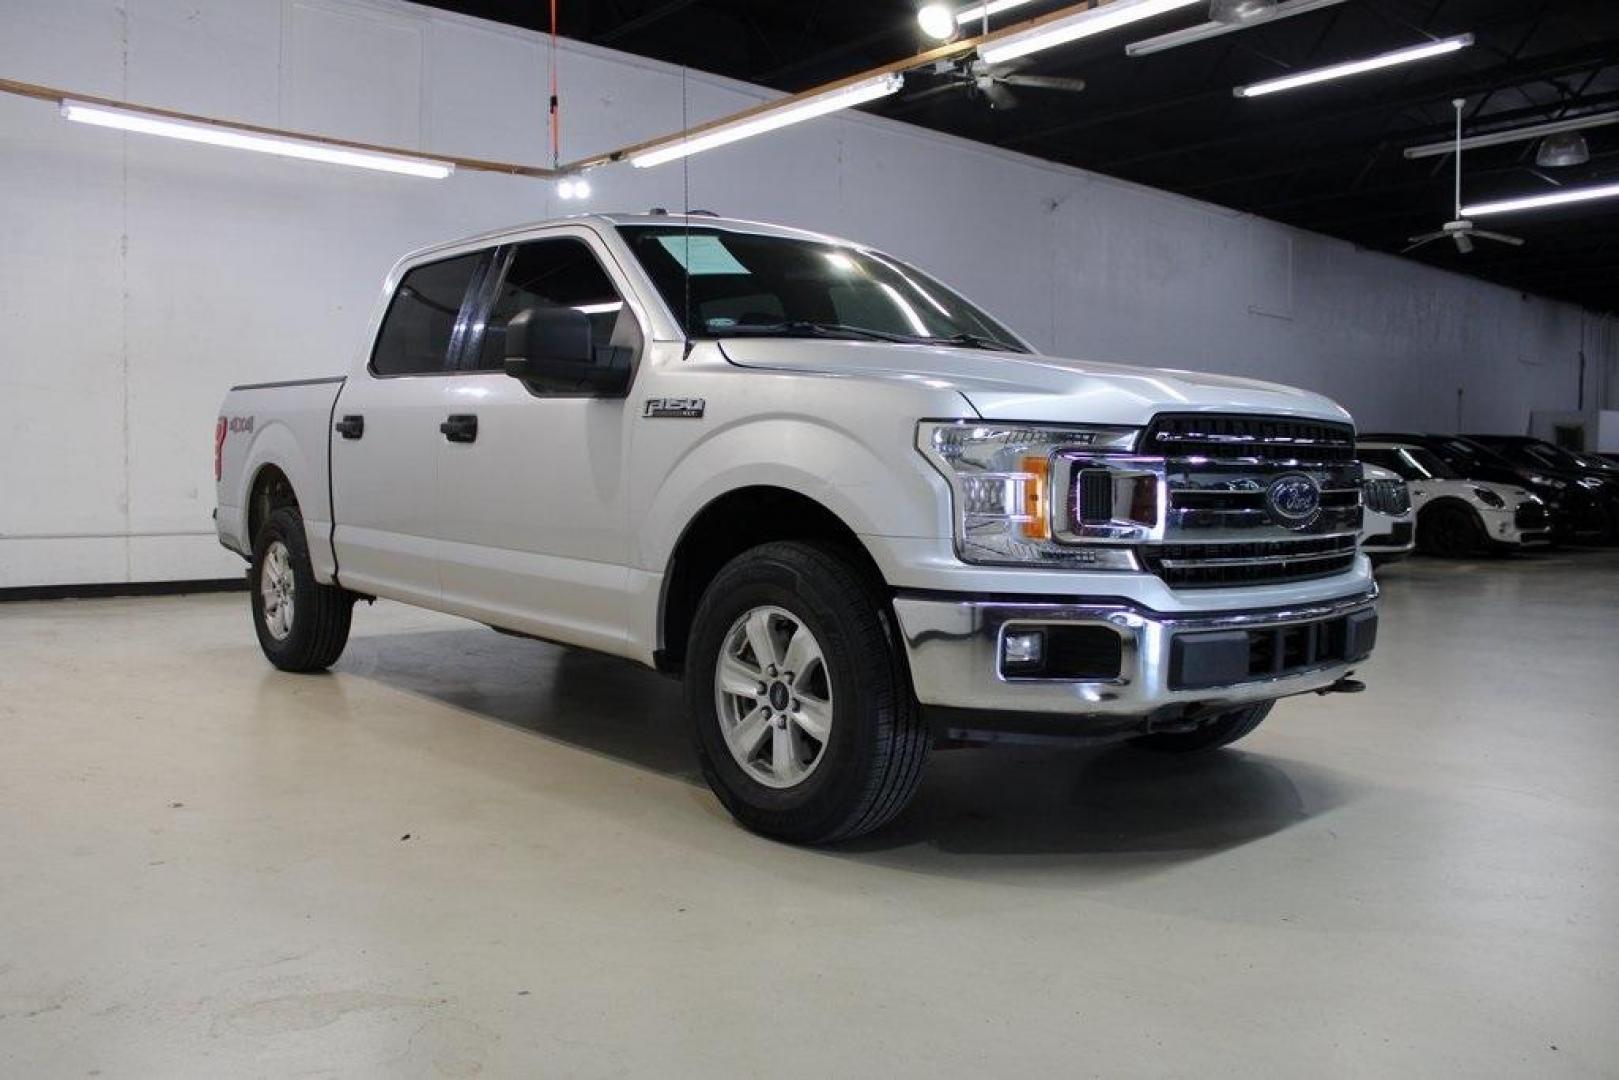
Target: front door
x,y
533,517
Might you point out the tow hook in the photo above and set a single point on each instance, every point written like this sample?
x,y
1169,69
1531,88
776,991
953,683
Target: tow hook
x,y
1345,685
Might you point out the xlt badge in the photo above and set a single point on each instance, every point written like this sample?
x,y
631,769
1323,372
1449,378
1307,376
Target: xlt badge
x,y
677,408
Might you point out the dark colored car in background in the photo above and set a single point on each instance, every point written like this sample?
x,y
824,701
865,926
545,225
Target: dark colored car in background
x,y
1577,512
1593,472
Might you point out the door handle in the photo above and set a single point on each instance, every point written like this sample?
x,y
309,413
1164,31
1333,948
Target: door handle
x,y
460,428
351,427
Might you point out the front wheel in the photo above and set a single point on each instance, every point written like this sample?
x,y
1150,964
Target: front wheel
x,y
1223,730
1450,531
302,625
801,707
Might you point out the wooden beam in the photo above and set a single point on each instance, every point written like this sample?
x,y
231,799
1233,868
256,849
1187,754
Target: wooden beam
x,y
53,94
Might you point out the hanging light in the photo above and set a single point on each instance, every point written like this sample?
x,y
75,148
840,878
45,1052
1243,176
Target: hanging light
x,y
1239,11
793,111
1562,150
236,138
1351,68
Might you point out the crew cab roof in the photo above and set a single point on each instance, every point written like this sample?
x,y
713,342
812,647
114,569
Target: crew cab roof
x,y
697,221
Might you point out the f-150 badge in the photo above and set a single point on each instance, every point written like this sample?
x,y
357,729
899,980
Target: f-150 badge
x,y
675,408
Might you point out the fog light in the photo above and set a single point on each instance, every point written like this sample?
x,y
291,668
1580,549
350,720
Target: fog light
x,y
1023,651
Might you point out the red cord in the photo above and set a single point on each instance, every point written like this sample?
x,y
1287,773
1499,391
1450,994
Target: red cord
x,y
556,132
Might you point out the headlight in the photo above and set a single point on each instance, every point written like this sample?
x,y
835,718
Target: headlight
x,y
1545,481
1489,498
1008,487
1592,483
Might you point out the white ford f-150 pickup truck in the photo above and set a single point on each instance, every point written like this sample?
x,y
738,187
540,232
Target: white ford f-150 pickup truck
x,y
858,516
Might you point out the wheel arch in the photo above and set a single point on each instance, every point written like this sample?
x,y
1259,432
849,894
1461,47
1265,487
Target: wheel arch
x,y
269,490
728,525
1450,502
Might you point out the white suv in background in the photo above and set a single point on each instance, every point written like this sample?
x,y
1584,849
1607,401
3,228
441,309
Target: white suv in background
x,y
1460,517
1388,530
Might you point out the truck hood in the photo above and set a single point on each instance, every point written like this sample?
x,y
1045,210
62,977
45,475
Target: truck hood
x,y
1025,387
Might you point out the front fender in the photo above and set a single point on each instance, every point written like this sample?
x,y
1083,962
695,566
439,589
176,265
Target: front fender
x,y
886,489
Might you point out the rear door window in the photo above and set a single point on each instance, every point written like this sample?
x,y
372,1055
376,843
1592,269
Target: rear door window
x,y
426,318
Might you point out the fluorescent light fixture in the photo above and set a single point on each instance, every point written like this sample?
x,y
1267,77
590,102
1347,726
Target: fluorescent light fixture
x,y
239,139
845,97
1512,135
1284,10
1537,202
977,13
1082,24
1357,67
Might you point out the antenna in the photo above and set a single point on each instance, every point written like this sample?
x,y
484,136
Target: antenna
x,y
1458,102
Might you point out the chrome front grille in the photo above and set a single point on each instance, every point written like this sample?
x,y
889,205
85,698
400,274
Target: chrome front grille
x,y
1387,496
1258,562
1264,438
1227,516
1219,500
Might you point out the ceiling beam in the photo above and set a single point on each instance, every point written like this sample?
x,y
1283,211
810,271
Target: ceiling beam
x,y
1512,135
644,20
53,94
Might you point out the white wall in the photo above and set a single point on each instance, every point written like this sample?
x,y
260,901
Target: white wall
x,y
139,277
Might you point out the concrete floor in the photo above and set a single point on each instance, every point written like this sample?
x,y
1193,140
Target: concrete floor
x,y
464,853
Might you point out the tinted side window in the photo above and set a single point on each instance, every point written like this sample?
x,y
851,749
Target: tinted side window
x,y
420,324
558,273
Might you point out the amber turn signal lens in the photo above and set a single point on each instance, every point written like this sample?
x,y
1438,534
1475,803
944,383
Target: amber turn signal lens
x,y
1036,524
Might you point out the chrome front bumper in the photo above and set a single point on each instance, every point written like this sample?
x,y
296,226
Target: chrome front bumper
x,y
954,646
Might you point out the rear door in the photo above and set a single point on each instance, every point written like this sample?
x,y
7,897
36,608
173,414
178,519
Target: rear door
x,y
386,442
534,515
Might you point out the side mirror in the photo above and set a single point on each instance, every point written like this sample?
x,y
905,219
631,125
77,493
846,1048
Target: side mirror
x,y
552,344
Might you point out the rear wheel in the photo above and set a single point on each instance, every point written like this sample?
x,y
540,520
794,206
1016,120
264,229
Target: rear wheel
x,y
801,707
302,625
1223,730
1450,531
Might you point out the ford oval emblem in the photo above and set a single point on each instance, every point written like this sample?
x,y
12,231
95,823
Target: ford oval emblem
x,y
1293,500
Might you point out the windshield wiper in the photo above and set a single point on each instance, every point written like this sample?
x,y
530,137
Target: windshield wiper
x,y
974,341
807,328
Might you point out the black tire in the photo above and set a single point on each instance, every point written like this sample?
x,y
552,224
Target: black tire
x,y
1221,731
319,614
871,760
1450,531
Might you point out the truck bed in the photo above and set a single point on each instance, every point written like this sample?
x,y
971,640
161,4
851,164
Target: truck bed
x,y
289,424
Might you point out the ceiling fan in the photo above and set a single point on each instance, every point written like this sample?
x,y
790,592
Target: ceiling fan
x,y
991,83
1461,231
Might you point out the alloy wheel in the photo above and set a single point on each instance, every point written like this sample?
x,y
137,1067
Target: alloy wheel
x,y
276,587
774,696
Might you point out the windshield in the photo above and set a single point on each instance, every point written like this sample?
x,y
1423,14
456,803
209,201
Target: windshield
x,y
1466,456
1409,462
1561,457
724,283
